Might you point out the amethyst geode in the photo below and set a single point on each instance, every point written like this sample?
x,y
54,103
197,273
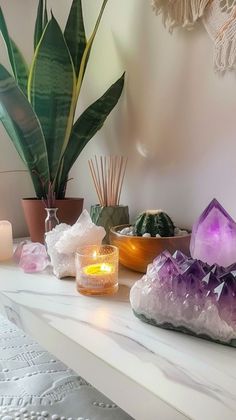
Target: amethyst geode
x,y
188,295
213,238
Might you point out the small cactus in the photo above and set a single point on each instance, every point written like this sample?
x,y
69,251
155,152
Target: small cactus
x,y
155,222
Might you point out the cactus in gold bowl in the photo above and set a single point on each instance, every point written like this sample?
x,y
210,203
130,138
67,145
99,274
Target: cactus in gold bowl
x,y
152,232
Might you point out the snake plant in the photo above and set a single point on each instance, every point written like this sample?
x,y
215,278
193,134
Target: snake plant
x,y
37,104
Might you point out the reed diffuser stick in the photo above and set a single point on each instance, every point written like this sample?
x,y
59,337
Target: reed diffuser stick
x,y
123,169
108,176
95,181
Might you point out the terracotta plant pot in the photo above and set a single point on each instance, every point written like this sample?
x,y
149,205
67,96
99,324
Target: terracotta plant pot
x,y
136,252
69,210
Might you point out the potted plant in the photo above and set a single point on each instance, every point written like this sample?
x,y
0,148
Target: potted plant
x,y
37,107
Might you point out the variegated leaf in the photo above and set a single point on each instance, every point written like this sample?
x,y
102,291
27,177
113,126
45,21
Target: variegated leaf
x,y
24,130
51,91
22,70
75,34
91,120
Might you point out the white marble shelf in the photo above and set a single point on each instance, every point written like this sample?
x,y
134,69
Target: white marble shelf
x,y
149,372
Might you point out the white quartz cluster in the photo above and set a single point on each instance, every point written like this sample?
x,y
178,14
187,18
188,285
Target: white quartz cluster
x,y
63,241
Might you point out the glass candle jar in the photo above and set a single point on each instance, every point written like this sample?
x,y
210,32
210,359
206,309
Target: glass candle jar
x,y
97,269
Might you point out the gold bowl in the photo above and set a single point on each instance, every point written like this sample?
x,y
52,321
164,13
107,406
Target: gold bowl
x,y
136,252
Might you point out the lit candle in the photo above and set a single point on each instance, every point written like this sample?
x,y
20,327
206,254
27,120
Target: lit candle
x,y
6,243
97,270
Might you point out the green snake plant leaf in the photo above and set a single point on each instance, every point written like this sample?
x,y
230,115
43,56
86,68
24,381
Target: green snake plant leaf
x,y
51,91
7,40
18,64
21,68
45,15
75,34
87,50
38,29
90,121
24,130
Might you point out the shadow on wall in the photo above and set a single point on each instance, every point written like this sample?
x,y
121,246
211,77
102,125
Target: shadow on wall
x,y
170,119
152,124
159,94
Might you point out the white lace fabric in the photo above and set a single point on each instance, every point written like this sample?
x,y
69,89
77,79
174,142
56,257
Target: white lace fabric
x,y
36,386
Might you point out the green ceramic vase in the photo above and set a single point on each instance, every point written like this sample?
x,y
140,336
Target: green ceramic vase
x,y
109,216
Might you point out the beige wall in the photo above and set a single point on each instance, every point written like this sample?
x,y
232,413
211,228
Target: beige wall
x,y
176,119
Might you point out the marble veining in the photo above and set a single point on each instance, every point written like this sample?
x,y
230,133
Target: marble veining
x,y
196,378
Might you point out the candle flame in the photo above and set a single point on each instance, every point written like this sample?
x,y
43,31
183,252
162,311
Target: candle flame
x,y
106,267
98,269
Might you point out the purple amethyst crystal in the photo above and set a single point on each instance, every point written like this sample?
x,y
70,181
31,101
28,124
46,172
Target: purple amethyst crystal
x,y
222,292
161,258
179,257
193,275
168,270
186,293
210,281
213,237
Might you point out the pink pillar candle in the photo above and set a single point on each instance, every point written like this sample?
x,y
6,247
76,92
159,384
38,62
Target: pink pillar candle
x,y
6,242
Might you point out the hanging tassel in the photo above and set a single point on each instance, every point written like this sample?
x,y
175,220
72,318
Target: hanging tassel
x,y
180,12
227,5
220,22
225,45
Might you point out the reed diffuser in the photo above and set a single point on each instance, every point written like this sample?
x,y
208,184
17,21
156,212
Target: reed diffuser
x,y
108,174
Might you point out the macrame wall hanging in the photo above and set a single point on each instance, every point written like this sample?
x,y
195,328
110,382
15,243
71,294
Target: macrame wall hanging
x,y
219,19
220,23
180,12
